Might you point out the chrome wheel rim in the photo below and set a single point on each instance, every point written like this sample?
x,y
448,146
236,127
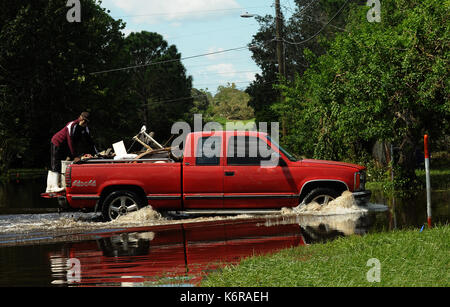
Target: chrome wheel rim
x,y
122,205
323,199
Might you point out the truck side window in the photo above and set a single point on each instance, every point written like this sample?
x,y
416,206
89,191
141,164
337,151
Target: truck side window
x,y
247,150
208,150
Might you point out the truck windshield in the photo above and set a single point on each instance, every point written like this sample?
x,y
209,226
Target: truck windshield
x,y
284,151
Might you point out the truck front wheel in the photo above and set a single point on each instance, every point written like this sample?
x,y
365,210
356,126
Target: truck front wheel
x,y
120,203
322,196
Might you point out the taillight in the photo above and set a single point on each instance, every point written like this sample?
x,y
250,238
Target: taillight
x,y
68,176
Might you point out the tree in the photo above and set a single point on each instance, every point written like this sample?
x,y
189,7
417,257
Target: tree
x,y
202,103
378,81
44,73
231,103
298,34
160,85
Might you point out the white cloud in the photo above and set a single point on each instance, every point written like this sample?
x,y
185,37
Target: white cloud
x,y
224,69
154,11
249,76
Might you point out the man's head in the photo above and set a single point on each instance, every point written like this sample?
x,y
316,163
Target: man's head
x,y
84,119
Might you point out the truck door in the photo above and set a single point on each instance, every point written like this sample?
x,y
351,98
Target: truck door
x,y
203,173
248,183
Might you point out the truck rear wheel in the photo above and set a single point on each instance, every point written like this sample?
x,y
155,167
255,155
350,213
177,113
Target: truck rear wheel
x,y
322,196
120,203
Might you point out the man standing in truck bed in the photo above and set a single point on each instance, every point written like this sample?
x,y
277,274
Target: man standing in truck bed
x,y
71,142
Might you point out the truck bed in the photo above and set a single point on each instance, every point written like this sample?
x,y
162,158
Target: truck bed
x,y
157,180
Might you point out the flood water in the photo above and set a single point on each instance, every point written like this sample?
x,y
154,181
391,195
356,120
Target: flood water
x,y
41,247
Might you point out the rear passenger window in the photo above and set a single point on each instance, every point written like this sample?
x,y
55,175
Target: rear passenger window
x,y
208,150
247,150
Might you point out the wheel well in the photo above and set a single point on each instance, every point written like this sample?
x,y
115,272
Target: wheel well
x,y
109,189
309,186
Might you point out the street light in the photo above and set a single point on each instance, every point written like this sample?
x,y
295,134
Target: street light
x,y
247,15
278,25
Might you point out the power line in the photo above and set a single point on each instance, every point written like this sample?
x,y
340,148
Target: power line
x,y
303,8
238,82
190,12
239,62
319,21
168,61
221,51
310,38
209,32
226,72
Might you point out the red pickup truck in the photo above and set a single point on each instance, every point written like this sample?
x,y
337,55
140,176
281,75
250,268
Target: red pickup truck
x,y
220,173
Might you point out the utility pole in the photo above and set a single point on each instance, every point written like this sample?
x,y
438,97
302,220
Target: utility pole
x,y
278,29
280,53
280,49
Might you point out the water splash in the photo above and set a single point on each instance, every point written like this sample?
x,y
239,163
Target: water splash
x,y
22,226
344,204
144,215
25,223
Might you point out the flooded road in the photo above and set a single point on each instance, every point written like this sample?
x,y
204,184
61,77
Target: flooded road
x,y
166,253
146,249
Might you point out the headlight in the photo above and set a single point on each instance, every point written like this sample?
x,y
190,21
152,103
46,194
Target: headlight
x,y
360,181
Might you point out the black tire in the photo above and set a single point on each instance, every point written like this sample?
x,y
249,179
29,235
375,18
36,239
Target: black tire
x,y
321,195
119,203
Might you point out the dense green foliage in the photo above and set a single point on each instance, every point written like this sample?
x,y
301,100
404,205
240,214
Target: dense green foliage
x,y
228,104
231,103
407,258
302,26
367,82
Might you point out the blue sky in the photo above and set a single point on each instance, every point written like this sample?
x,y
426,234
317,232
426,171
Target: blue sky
x,y
198,27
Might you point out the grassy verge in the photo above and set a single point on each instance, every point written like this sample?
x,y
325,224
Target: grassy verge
x,y
439,178
407,258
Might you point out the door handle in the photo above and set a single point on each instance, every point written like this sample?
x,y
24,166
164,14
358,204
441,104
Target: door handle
x,y
229,173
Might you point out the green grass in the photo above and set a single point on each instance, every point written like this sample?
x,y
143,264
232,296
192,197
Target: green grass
x,y
407,258
439,179
379,178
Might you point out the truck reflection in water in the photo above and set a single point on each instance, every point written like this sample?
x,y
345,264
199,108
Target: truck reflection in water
x,y
181,254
